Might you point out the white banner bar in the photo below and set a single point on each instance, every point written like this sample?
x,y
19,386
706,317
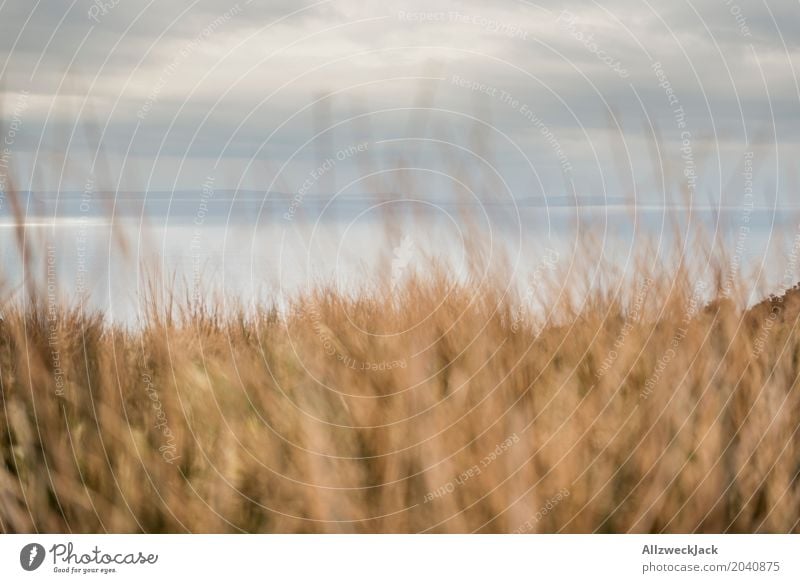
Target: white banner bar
x,y
400,558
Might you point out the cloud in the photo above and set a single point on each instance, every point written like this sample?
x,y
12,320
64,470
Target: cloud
x,y
207,79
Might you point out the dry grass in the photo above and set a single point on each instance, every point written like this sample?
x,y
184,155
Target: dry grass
x,y
645,410
616,404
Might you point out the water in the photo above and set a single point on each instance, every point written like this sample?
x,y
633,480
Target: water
x,y
249,248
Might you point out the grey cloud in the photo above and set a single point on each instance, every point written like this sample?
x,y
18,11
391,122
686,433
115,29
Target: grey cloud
x,y
467,48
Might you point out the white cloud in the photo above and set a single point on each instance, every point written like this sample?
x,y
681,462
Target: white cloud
x,y
717,56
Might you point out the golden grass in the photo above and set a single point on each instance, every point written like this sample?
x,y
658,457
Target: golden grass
x,y
646,410
434,403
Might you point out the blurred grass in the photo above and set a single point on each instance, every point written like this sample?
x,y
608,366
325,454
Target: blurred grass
x,y
655,413
431,402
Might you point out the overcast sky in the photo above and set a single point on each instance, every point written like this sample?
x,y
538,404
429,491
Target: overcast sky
x,y
523,99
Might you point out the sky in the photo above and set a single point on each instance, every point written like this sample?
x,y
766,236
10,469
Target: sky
x,y
658,103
